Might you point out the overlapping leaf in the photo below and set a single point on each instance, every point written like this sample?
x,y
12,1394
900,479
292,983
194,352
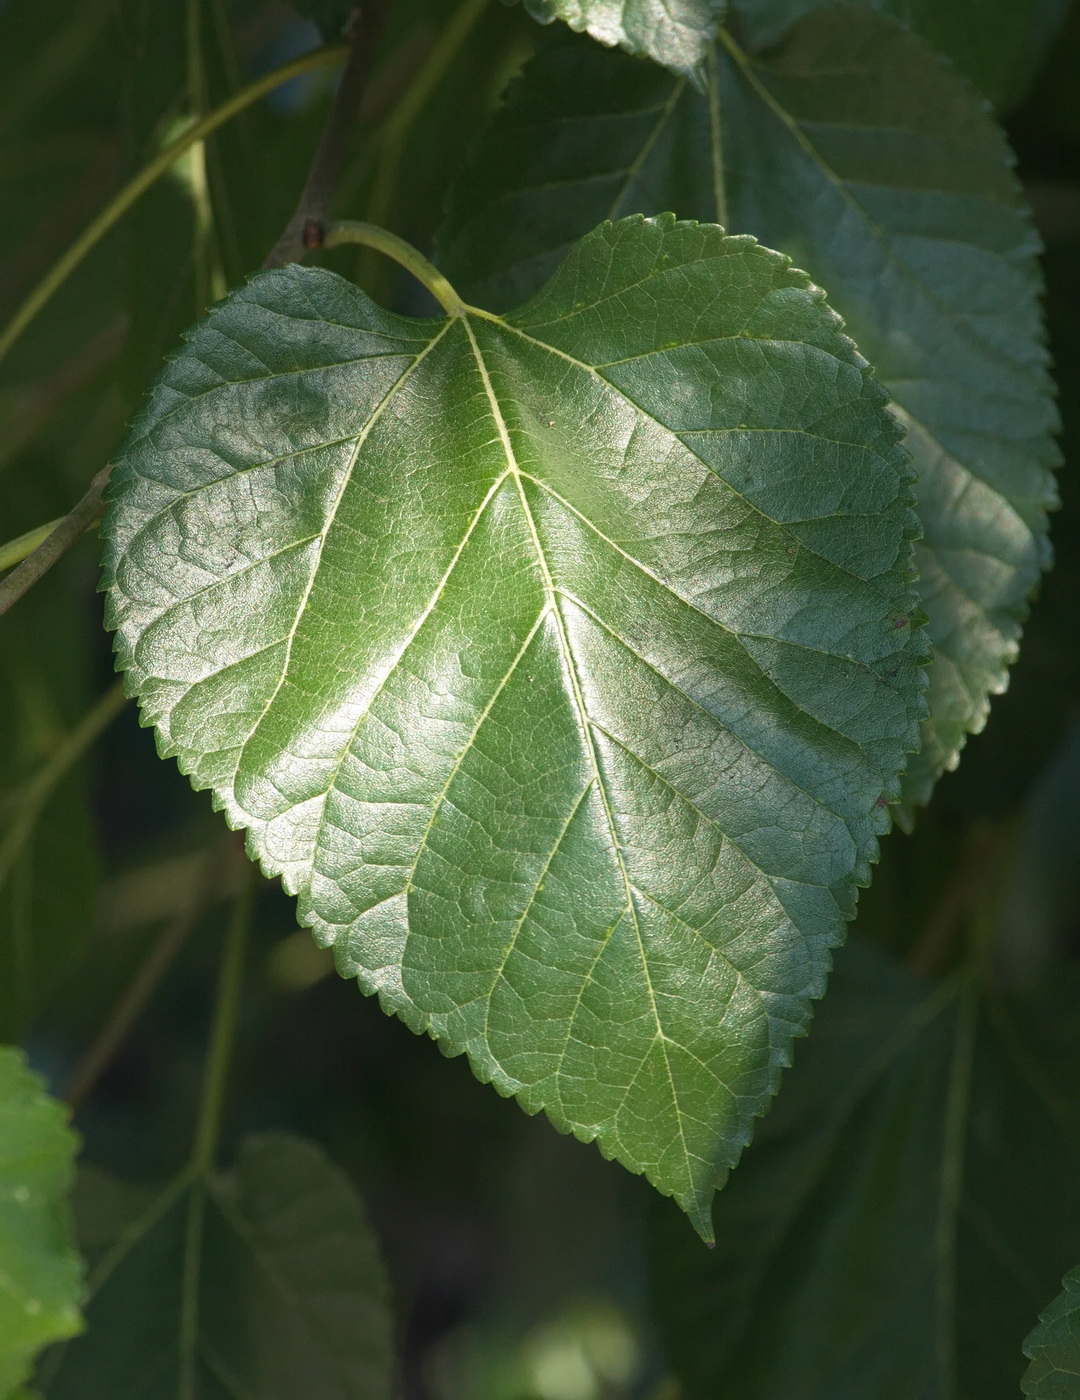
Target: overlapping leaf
x,y
562,663
1054,1347
856,151
998,44
902,1209
263,1281
675,33
40,1273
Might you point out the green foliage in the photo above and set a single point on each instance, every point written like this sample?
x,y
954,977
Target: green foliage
x,y
856,152
589,805
904,1201
679,36
998,44
40,1271
261,1281
1054,1347
567,655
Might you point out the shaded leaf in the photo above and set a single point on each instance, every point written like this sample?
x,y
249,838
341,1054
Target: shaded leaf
x,y
997,44
907,1198
1054,1347
857,152
562,663
40,1272
677,35
263,1281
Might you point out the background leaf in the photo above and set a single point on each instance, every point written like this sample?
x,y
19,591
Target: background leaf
x,y
677,35
583,778
263,1281
1054,1347
42,1274
854,150
998,44
900,1207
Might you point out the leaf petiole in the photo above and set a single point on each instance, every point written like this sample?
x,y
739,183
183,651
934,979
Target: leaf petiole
x,y
371,236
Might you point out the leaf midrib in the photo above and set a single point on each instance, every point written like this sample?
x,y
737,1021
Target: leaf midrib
x,y
584,722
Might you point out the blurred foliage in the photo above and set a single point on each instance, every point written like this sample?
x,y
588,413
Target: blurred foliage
x,y
516,1257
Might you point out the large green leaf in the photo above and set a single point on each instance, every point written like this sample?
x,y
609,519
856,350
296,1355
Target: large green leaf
x,y
40,1273
675,33
998,44
563,663
1054,1347
903,1209
857,152
264,1281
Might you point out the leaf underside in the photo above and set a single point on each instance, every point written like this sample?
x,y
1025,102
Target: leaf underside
x,y
263,1281
675,33
856,151
903,1207
1054,1347
40,1273
562,664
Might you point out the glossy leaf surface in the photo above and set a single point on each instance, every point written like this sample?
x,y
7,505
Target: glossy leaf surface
x,y
563,663
263,1281
904,1202
40,1272
860,154
677,35
1054,1347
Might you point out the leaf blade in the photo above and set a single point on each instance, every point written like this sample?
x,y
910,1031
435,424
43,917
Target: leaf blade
x,y
881,1225
42,1273
284,1285
1053,1347
677,36
854,150
580,622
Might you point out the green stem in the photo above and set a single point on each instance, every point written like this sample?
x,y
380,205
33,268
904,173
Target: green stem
x,y
371,236
54,544
41,786
223,1031
16,550
716,140
147,176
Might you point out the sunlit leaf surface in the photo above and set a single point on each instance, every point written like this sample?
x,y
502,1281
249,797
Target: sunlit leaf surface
x,y
563,664
874,166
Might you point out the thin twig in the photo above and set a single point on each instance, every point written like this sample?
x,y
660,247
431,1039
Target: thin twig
x,y
56,544
139,183
307,226
135,996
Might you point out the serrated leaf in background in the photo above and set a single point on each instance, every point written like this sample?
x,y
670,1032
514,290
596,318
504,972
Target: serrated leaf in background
x,y
283,1297
677,35
857,152
907,1198
562,664
1054,1347
997,44
41,1272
